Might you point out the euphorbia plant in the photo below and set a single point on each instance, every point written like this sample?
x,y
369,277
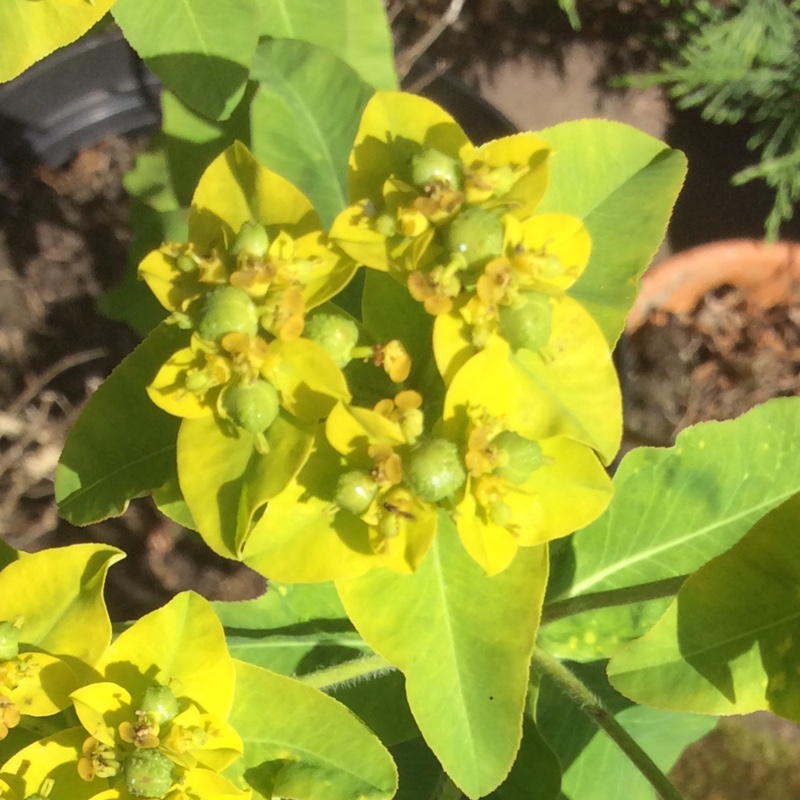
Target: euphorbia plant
x,y
422,475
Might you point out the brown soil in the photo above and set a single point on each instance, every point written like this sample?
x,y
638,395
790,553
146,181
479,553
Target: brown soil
x,y
716,362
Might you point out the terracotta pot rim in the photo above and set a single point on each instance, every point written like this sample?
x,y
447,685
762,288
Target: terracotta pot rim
x,y
770,271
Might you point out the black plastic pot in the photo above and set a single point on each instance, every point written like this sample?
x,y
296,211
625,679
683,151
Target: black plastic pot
x,y
99,87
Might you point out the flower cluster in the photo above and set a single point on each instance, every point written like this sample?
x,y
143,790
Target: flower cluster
x,y
152,713
497,402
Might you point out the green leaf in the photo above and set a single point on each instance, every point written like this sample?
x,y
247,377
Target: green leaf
x,y
728,644
421,774
201,49
58,594
225,480
192,142
30,31
282,605
536,774
304,119
183,642
390,312
622,183
299,743
464,642
122,445
591,761
357,31
673,510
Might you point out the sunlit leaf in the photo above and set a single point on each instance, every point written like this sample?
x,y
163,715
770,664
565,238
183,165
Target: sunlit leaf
x,y
356,30
673,510
297,740
622,183
31,30
122,445
200,49
463,642
729,643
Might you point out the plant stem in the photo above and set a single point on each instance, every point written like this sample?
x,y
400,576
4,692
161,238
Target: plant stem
x,y
368,667
545,664
613,597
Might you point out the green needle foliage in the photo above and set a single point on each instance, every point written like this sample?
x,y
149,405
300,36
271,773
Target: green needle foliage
x,y
741,62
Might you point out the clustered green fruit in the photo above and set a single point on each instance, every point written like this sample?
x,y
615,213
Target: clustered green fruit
x,y
252,406
522,456
433,166
9,641
159,703
336,335
529,325
227,309
148,773
252,240
477,235
355,491
433,470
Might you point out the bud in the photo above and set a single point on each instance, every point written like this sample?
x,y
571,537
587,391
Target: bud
x,y
433,166
336,335
519,457
252,241
148,773
477,235
433,470
159,704
355,491
227,309
529,325
252,406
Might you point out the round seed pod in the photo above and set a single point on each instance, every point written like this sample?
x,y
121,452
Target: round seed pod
x,y
355,491
336,335
9,641
477,235
433,166
148,773
252,406
252,240
523,456
528,326
227,309
159,703
433,470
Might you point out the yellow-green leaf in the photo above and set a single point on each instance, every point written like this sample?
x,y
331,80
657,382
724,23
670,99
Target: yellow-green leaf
x,y
729,643
181,645
463,641
31,30
299,743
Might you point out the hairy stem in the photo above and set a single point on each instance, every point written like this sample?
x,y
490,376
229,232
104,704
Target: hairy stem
x,y
349,671
545,664
613,597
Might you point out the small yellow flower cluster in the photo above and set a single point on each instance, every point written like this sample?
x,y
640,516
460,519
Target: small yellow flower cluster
x,y
489,414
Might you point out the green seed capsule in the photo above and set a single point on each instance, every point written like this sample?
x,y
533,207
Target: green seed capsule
x,y
522,456
433,470
477,235
225,310
252,406
355,491
529,325
148,773
252,240
160,704
386,225
334,334
185,263
9,641
433,166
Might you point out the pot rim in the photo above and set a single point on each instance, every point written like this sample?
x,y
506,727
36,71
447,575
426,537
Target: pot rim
x,y
769,270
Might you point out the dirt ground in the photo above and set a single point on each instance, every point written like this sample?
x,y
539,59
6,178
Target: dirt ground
x,y
63,239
